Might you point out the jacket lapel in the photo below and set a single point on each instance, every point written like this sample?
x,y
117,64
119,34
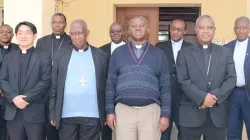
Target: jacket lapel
x,y
169,50
33,60
64,62
109,49
15,65
246,63
215,60
96,56
233,45
96,63
199,60
66,41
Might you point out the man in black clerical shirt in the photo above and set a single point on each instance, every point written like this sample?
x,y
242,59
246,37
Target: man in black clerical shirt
x,y
52,44
58,39
25,79
6,34
206,73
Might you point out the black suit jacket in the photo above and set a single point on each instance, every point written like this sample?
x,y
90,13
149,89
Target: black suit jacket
x,y
106,48
59,73
12,47
175,87
45,43
37,83
192,75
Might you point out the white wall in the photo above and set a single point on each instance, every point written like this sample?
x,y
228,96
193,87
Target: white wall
x,y
36,11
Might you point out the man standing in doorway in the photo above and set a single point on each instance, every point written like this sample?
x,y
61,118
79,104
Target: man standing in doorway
x,y
116,32
178,28
138,93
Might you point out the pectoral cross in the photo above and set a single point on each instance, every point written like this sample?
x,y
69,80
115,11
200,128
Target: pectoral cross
x,y
82,81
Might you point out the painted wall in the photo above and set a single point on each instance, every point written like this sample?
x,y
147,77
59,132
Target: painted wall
x,y
99,14
224,13
36,11
1,3
248,8
95,13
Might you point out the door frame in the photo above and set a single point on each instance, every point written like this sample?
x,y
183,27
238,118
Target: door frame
x,y
112,4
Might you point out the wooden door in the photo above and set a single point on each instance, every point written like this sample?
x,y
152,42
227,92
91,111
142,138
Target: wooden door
x,y
124,14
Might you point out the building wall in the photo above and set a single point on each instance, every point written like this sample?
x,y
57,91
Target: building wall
x,y
248,8
224,13
1,3
100,16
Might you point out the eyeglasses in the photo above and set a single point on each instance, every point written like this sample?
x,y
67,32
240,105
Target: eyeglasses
x,y
115,31
176,29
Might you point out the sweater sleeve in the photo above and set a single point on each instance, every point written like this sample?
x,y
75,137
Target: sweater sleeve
x,y
165,89
111,87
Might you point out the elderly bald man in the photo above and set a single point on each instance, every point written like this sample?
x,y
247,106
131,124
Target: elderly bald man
x,y
78,86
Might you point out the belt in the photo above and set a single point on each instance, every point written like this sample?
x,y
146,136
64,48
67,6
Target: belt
x,y
240,87
137,107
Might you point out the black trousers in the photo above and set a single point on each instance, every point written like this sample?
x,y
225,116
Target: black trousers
x,y
3,131
51,132
18,129
167,134
208,129
80,128
106,133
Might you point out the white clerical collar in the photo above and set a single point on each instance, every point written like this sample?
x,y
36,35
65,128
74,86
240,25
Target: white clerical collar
x,y
119,44
5,47
205,46
179,42
58,36
242,42
81,50
24,51
138,46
